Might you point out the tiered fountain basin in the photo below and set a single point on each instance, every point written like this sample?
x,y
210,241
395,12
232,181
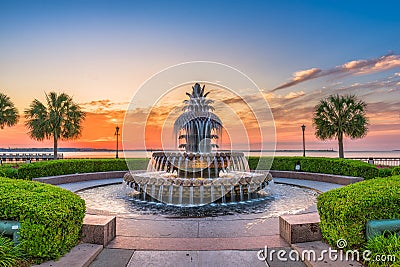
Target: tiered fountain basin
x,y
164,187
198,165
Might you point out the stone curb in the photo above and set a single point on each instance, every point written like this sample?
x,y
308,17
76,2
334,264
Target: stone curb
x,y
80,256
79,177
319,177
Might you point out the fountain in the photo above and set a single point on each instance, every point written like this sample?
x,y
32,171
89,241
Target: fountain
x,y
199,173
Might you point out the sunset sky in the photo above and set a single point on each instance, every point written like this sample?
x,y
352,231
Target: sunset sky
x,y
297,52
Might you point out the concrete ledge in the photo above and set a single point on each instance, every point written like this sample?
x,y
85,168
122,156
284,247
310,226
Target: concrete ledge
x,y
319,177
80,256
80,177
98,229
300,228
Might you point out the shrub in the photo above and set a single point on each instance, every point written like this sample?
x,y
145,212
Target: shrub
x,y
50,217
385,250
318,165
10,255
65,166
385,172
8,171
345,211
396,171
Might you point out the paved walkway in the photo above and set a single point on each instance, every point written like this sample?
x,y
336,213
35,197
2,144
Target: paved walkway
x,y
234,240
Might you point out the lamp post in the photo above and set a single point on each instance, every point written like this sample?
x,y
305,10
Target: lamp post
x,y
116,134
303,128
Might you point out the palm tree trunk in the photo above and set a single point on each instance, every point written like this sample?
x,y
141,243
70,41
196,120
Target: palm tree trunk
x,y
55,150
340,140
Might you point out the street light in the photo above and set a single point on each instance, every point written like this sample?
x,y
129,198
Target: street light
x,y
303,128
116,134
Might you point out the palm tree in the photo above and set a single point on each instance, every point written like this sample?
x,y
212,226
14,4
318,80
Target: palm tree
x,y
8,112
338,116
60,119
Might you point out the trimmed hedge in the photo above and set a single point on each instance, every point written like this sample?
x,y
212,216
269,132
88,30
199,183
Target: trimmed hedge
x,y
385,172
396,171
8,171
308,164
51,217
71,166
335,166
345,211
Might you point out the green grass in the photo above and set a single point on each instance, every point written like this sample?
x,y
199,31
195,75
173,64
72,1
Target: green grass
x,y
10,255
383,248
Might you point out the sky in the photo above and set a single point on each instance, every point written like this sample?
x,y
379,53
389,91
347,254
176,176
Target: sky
x,y
297,52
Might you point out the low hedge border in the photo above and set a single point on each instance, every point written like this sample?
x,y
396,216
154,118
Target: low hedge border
x,y
51,218
345,211
72,166
396,171
334,166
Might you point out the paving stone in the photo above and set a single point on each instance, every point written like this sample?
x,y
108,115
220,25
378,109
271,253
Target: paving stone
x,y
326,261
112,258
275,260
80,256
239,228
196,258
164,258
230,258
238,243
153,228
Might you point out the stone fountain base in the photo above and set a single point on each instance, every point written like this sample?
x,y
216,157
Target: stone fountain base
x,y
164,187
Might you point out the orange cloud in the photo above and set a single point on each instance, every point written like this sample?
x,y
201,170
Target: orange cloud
x,y
355,67
301,76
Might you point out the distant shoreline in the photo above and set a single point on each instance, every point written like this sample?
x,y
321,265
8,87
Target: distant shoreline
x,y
61,150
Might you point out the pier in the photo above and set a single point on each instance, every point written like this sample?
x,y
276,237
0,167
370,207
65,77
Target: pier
x,y
15,157
392,162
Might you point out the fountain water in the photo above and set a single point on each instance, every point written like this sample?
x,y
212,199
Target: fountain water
x,y
201,173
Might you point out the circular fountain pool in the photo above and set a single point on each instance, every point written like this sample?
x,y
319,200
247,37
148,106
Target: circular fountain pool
x,y
118,200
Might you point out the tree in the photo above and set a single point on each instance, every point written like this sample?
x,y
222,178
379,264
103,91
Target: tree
x,y
338,116
60,119
8,112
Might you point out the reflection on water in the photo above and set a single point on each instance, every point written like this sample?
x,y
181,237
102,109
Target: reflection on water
x,y
116,199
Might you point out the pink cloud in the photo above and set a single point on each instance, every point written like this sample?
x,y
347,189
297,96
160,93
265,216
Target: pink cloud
x,y
354,67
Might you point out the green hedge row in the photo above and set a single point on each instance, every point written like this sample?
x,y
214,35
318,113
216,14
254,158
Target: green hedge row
x,y
345,211
336,166
70,166
308,164
8,171
396,171
51,217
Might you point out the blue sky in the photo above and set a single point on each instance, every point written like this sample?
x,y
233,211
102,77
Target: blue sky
x,y
104,50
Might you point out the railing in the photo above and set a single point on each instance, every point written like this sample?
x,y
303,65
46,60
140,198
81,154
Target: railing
x,y
381,161
28,156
